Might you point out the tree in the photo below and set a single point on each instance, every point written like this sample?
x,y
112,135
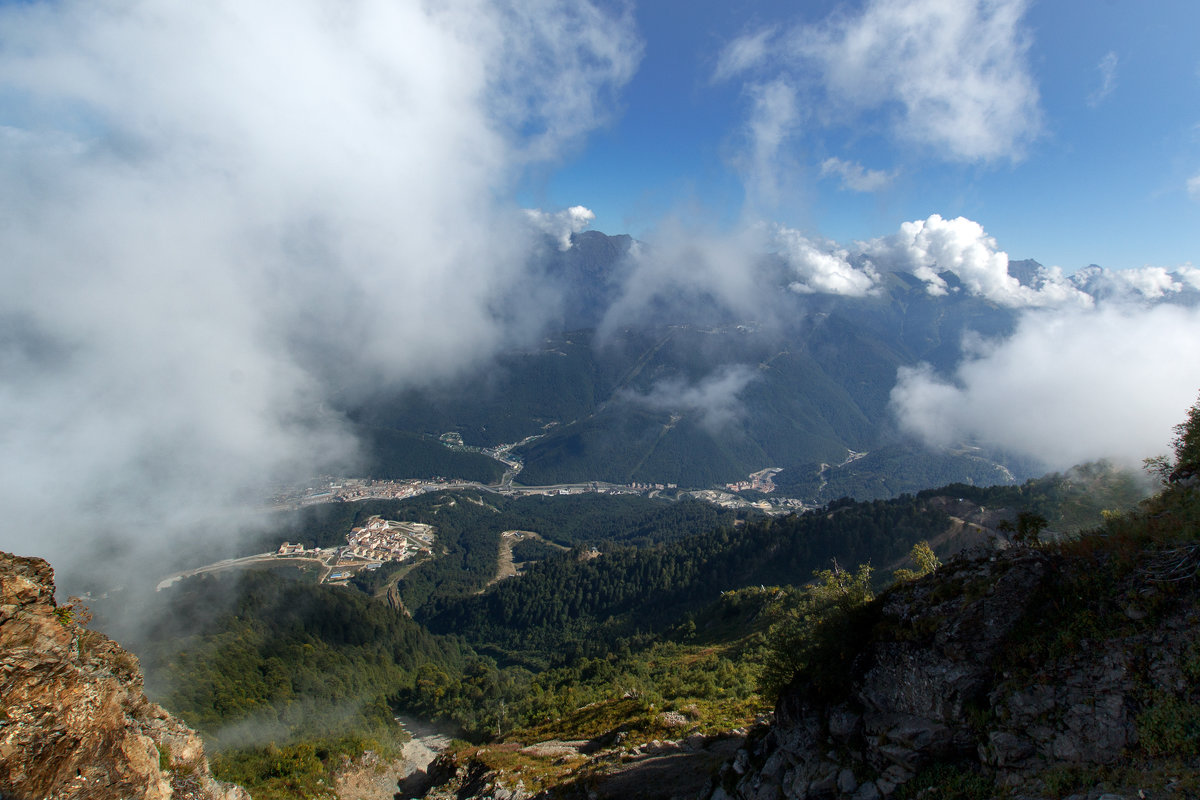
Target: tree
x,y
1028,529
1187,446
924,558
826,604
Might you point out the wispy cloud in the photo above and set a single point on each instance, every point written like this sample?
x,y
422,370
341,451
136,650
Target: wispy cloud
x,y
1108,79
772,122
743,53
952,77
714,399
957,71
855,176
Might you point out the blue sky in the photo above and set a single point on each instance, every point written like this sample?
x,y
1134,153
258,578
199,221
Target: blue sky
x,y
1101,176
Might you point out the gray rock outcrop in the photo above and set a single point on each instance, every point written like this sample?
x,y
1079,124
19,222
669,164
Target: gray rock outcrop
x,y
942,679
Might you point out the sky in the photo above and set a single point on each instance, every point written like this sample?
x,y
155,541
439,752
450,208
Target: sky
x,y
221,222
1094,109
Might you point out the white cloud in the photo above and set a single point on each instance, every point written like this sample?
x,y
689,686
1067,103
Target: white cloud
x,y
950,77
561,224
822,266
956,71
1150,282
855,177
219,216
935,245
772,122
1193,186
1189,276
1108,79
713,400
1066,387
685,274
1136,284
743,53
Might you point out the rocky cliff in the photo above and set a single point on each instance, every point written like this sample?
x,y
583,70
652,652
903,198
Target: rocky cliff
x,y
74,721
1024,673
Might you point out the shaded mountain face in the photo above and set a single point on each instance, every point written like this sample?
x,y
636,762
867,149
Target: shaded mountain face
x,y
699,396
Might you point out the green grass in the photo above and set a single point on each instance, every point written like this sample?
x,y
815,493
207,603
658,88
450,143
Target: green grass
x,y
960,782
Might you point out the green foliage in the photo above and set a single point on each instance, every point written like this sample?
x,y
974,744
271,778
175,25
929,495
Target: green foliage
x,y
952,782
392,454
925,560
1028,529
1187,444
800,644
286,659
572,606
1169,726
292,772
889,470
1070,501
469,529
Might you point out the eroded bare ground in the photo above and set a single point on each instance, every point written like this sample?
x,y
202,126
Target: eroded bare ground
x,y
506,567
370,777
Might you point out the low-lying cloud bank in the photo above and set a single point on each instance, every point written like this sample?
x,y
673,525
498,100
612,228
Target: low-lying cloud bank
x,y
1066,387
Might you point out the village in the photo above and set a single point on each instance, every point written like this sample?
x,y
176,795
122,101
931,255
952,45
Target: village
x,y
368,547
345,490
761,481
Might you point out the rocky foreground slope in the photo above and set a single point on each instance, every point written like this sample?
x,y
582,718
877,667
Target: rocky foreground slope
x,y
1024,673
74,721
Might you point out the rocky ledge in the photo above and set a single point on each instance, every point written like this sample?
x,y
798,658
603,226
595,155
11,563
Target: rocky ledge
x,y
1005,674
74,721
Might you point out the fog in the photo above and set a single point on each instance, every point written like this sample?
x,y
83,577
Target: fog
x,y
713,400
221,217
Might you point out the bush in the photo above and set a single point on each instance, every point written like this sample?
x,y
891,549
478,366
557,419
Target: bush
x,y
812,637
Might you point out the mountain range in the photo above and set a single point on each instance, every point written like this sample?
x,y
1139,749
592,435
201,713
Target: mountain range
x,y
692,391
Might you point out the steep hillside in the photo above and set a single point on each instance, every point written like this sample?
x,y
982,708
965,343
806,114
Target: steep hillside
x,y
1068,670
74,722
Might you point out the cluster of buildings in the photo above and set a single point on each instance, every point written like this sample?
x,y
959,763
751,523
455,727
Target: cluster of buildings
x,y
347,490
369,546
761,481
387,540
